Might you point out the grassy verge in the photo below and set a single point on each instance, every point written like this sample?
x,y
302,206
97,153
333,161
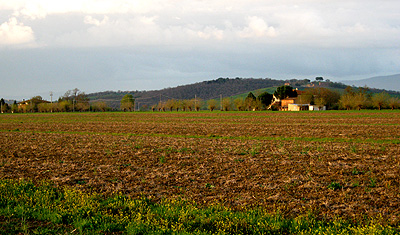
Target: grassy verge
x,y
45,209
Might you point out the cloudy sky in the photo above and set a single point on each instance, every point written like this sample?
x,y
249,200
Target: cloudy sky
x,y
98,45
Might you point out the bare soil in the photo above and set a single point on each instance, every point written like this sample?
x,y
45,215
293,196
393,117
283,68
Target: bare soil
x,y
334,164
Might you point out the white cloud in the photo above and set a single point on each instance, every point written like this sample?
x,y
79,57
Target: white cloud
x,y
211,32
93,21
257,28
38,9
284,22
12,33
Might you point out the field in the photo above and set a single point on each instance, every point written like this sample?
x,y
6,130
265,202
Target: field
x,y
339,164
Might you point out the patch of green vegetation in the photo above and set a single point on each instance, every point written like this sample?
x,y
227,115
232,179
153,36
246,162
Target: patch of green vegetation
x,y
356,172
335,185
372,182
162,159
45,209
353,149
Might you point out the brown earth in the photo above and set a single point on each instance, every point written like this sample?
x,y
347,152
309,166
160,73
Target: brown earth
x,y
332,163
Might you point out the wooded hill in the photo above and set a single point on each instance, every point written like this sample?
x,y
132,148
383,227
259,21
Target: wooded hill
x,y
205,90
213,89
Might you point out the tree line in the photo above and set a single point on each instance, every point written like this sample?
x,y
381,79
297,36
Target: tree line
x,y
71,101
361,98
352,98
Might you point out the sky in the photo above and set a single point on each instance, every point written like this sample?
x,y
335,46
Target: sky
x,y
101,45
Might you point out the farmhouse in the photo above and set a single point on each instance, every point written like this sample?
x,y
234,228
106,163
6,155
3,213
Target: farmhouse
x,y
295,104
30,104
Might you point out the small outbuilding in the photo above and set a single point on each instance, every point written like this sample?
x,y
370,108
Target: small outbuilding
x,y
317,108
298,107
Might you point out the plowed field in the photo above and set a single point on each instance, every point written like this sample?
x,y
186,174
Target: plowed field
x,y
340,163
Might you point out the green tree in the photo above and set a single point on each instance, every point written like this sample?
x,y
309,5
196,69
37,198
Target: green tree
x,y
198,103
239,104
77,100
2,105
359,101
212,104
250,101
284,92
14,107
321,96
257,105
82,106
100,106
183,105
394,103
127,102
346,101
265,98
380,100
63,106
320,102
306,98
251,96
44,107
189,104
226,104
171,104
34,102
82,102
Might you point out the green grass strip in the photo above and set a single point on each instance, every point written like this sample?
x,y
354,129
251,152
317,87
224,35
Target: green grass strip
x,y
69,210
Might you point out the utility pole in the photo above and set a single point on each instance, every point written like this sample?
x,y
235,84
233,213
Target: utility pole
x,y
195,102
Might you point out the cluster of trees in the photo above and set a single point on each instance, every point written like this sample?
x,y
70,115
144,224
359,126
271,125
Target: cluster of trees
x,y
71,101
360,98
175,104
321,96
74,100
251,102
5,108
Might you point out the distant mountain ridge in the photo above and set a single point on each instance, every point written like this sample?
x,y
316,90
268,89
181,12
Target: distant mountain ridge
x,y
391,82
